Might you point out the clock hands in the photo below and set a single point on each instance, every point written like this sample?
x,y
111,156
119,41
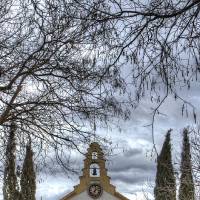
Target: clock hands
x,y
95,190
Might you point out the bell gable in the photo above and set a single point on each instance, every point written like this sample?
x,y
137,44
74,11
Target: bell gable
x,y
94,182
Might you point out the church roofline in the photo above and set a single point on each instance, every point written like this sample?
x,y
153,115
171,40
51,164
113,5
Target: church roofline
x,y
86,179
73,193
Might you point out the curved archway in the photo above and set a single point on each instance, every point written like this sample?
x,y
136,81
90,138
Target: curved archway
x,y
94,155
94,170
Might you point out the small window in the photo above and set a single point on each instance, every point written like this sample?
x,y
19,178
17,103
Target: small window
x,y
94,155
94,170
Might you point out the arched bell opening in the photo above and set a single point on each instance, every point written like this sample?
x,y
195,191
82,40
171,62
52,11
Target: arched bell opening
x,y
94,155
94,170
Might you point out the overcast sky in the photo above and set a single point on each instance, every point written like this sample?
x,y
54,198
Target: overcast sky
x,y
132,168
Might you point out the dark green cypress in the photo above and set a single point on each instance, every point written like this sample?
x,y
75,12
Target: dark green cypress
x,y
165,187
186,190
10,191
28,177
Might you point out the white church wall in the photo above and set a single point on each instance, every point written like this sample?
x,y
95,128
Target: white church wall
x,y
85,196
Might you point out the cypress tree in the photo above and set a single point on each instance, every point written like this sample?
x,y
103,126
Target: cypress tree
x,y
165,187
28,177
10,191
186,190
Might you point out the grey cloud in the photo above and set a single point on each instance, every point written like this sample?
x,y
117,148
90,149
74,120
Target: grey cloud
x,y
134,178
132,167
133,159
132,152
139,164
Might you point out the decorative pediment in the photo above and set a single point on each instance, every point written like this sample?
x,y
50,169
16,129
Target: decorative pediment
x,y
94,179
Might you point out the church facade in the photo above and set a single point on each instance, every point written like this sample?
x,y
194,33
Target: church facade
x,y
94,183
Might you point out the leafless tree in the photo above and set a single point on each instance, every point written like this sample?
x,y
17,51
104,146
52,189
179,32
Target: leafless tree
x,y
158,40
61,61
51,84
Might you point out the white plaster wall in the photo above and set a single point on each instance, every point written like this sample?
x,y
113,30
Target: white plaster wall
x,y
84,196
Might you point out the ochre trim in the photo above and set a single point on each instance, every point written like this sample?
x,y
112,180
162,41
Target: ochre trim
x,y
120,196
86,180
68,196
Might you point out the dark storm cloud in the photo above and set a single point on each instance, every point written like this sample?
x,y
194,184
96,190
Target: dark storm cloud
x,y
133,159
124,164
130,178
131,170
132,167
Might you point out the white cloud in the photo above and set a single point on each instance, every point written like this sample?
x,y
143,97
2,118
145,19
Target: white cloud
x,y
133,169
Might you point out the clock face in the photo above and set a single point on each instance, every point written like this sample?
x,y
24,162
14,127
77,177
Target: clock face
x,y
95,190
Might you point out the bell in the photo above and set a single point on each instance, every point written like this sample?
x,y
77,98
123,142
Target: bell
x,y
94,172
